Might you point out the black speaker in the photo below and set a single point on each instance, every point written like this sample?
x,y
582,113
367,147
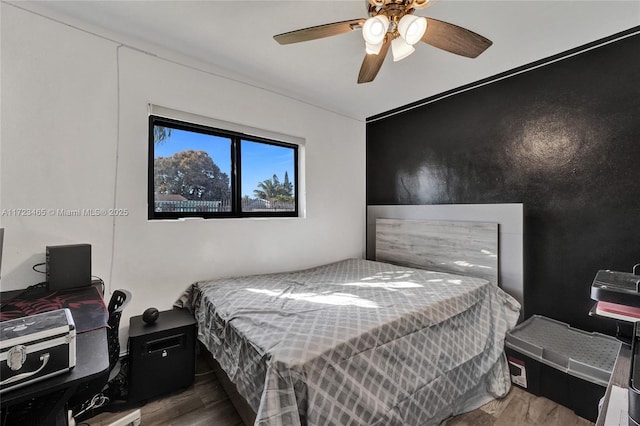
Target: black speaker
x,y
161,354
68,266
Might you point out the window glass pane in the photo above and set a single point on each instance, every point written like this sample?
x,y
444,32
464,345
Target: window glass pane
x,y
191,171
268,177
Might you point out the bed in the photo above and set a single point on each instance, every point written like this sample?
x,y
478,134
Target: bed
x,y
364,342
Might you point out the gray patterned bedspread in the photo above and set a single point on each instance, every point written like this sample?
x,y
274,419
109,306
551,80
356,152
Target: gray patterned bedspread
x,y
357,342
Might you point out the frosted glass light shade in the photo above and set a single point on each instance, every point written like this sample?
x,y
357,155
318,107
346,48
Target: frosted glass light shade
x,y
401,49
375,28
373,49
412,28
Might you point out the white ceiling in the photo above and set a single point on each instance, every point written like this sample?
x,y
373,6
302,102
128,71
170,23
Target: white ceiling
x,y
236,38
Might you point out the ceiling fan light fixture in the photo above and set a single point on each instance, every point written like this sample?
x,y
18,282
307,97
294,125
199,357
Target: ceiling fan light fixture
x,y
401,49
411,28
375,28
384,30
418,4
373,49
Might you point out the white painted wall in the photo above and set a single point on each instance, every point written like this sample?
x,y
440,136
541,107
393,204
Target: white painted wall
x,y
74,136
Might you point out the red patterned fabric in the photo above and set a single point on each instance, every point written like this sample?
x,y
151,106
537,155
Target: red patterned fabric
x,y
85,303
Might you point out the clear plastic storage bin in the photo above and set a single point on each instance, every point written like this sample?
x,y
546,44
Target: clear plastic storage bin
x,y
570,366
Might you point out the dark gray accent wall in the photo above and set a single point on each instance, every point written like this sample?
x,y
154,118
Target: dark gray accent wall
x,y
561,136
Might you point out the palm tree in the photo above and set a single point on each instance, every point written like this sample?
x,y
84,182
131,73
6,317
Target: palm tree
x,y
161,134
267,189
273,191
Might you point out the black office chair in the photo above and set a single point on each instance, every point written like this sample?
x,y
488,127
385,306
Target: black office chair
x,y
93,399
117,303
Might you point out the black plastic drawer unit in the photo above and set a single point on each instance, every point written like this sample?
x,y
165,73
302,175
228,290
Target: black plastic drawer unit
x,y
161,354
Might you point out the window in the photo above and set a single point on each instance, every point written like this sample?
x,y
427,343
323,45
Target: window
x,y
201,171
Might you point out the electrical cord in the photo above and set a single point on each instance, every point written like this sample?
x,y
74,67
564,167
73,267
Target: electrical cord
x,y
42,285
38,264
101,282
96,402
204,373
25,292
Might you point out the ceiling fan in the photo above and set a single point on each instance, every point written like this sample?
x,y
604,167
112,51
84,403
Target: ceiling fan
x,y
393,23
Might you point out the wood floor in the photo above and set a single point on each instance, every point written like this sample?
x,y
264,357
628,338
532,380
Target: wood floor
x,y
206,403
520,408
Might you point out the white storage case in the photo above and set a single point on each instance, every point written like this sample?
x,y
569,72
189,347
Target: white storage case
x,y
36,347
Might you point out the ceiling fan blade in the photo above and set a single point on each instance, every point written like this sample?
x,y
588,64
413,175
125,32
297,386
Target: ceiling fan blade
x,y
319,31
372,63
454,39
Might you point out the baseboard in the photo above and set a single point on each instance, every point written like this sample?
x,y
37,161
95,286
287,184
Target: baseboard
x,y
131,419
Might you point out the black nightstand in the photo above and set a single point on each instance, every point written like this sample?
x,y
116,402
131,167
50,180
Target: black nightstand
x,y
161,355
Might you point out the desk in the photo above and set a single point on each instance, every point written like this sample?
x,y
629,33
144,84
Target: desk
x,y
619,377
92,362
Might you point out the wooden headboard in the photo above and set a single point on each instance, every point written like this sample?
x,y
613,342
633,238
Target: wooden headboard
x,y
463,248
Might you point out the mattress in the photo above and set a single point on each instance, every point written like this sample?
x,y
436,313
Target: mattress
x,y
357,342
